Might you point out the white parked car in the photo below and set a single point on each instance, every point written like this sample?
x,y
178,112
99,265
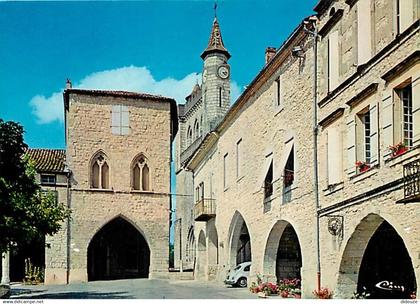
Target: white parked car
x,y
238,276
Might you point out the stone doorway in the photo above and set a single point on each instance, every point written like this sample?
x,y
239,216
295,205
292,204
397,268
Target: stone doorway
x,y
240,241
118,251
283,256
375,253
33,253
386,259
201,256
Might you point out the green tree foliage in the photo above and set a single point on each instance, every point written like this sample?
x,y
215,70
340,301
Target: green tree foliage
x,y
26,212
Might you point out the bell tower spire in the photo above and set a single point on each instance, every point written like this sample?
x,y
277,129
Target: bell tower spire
x,y
215,44
216,78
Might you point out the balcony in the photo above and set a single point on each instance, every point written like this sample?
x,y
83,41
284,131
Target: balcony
x,y
412,181
204,210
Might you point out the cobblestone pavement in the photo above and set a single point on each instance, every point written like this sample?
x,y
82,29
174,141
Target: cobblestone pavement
x,y
132,289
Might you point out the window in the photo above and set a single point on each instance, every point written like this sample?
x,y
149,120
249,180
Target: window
x,y
288,177
333,61
99,178
268,182
247,268
225,159
196,129
289,170
363,132
364,35
141,174
48,179
404,116
220,96
277,98
189,136
239,159
120,124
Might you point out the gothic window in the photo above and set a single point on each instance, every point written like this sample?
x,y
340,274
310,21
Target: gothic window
x,y
196,129
99,178
220,96
189,136
141,174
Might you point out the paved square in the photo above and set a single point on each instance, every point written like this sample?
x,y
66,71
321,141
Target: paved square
x,y
132,289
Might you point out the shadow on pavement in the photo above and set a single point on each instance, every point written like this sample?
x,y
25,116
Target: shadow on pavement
x,y
72,295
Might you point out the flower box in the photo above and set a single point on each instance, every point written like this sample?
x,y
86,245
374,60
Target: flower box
x,y
398,149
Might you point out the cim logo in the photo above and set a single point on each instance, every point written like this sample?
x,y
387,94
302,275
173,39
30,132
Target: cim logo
x,y
386,285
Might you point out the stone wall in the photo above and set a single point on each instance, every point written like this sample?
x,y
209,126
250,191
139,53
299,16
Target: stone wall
x,y
89,130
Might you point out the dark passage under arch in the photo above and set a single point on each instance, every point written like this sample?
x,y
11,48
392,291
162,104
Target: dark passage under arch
x,y
386,259
118,251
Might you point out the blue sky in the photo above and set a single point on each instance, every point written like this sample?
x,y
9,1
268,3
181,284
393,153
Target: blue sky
x,y
147,46
151,46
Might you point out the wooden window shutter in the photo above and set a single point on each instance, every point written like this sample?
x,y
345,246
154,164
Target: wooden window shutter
x,y
351,145
364,35
406,14
334,164
416,108
387,121
125,121
333,56
373,113
116,119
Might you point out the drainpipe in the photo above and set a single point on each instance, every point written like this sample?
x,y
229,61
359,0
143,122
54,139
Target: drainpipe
x,y
315,137
314,33
69,174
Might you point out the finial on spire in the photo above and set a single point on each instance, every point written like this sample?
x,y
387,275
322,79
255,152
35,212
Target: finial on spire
x,y
215,9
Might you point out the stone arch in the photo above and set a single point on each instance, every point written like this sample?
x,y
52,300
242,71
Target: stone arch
x,y
190,252
239,240
118,250
282,255
201,255
373,233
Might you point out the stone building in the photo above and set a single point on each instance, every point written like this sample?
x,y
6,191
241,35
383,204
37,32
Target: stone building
x,y
253,174
115,177
204,109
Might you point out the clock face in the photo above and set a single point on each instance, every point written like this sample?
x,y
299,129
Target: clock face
x,y
223,72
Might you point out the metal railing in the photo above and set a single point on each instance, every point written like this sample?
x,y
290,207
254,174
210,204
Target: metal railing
x,y
412,179
204,209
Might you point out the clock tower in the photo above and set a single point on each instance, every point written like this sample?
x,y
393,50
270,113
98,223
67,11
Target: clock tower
x,y
216,79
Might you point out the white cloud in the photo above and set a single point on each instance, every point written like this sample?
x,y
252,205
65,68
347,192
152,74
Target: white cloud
x,y
135,79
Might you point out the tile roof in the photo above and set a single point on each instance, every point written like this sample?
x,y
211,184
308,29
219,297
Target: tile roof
x,y
48,160
118,93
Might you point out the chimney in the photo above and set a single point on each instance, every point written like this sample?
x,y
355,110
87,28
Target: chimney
x,y
269,53
68,84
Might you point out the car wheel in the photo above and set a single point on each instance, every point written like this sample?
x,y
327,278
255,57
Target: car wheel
x,y
242,282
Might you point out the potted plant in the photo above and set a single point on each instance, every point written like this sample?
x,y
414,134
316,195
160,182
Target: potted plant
x,y
323,293
362,166
289,288
398,149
